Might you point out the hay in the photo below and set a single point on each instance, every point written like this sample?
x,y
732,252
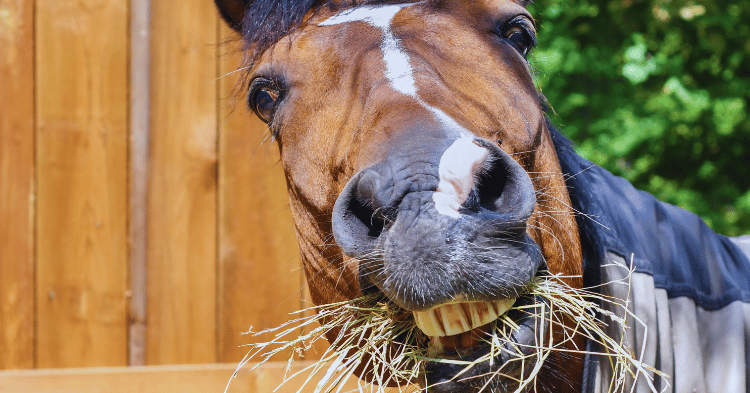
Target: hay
x,y
372,332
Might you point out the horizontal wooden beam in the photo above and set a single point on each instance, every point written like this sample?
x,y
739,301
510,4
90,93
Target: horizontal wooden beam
x,y
158,379
153,379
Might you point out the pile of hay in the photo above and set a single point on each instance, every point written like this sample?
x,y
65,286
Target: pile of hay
x,y
373,332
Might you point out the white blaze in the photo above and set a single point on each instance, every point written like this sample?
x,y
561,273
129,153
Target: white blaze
x,y
398,70
459,161
446,120
458,165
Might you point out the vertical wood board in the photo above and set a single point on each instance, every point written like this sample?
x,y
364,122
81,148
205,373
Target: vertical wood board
x,y
81,95
182,252
260,270
16,184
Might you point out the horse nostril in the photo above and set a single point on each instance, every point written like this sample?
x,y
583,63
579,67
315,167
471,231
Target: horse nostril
x,y
372,206
489,187
358,217
502,187
365,189
372,220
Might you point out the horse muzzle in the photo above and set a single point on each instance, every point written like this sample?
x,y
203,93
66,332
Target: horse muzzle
x,y
442,233
437,227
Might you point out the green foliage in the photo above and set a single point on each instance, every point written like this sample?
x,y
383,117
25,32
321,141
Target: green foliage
x,y
656,91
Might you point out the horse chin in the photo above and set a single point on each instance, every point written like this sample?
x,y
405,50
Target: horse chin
x,y
466,326
465,364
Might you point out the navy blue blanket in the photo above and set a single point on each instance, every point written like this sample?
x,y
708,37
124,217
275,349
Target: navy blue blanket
x,y
675,246
690,290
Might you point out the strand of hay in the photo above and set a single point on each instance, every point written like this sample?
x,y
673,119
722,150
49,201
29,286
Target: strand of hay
x,y
375,333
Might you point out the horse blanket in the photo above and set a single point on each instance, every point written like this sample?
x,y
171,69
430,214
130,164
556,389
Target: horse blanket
x,y
690,287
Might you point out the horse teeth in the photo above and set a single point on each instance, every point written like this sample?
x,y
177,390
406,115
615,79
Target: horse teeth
x,y
456,318
502,306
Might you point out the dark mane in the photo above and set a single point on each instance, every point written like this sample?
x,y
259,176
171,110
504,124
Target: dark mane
x,y
573,166
268,21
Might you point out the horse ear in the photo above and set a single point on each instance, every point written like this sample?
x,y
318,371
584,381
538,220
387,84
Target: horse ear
x,y
233,11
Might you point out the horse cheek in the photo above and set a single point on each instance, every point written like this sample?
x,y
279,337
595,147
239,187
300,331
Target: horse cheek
x,y
331,276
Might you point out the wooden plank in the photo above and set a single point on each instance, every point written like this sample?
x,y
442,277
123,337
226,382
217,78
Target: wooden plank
x,y
267,378
16,184
182,231
138,177
154,379
160,379
260,268
81,95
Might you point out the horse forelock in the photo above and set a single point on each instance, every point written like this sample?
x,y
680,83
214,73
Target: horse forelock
x,y
268,21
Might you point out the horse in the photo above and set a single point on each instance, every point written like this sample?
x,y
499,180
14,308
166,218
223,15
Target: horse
x,y
421,166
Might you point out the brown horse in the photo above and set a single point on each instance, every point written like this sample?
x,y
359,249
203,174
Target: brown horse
x,y
413,135
421,167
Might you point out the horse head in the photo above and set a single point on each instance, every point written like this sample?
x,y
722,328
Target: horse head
x,y
417,156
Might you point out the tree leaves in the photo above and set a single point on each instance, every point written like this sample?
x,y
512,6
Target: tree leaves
x,y
656,91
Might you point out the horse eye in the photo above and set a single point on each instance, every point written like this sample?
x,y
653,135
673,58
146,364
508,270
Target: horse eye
x,y
263,101
520,39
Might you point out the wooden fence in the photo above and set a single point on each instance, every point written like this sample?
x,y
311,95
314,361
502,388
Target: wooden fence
x,y
166,379
143,214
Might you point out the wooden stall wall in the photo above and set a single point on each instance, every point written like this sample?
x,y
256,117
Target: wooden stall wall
x,y
182,202
144,218
81,156
17,184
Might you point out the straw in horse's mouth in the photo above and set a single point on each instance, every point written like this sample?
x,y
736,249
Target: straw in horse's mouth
x,y
505,349
463,339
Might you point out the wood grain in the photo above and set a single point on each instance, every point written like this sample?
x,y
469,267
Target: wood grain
x,y
16,184
260,270
182,230
162,379
154,379
81,96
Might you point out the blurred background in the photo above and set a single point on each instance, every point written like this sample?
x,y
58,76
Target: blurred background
x,y
656,91
143,212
